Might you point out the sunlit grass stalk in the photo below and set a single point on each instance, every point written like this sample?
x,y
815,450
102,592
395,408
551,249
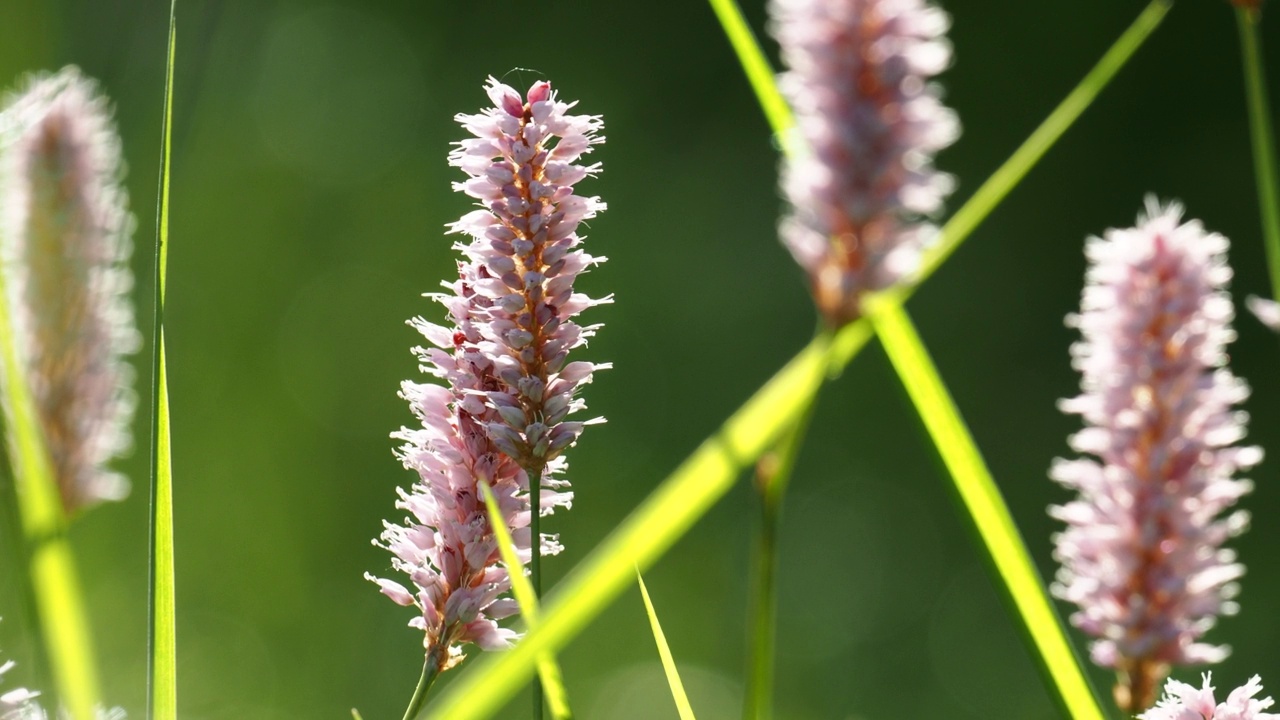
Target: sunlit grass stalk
x,y
664,652
1263,139
526,593
162,691
1005,551
535,561
27,603
706,475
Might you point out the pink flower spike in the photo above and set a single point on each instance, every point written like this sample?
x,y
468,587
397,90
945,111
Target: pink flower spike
x,y
65,244
1185,702
526,256
868,121
1142,553
500,417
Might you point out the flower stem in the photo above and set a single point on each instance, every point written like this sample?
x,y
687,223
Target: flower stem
x,y
773,474
1263,136
430,671
535,562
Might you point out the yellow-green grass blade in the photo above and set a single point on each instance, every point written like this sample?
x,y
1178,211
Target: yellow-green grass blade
x,y
756,67
664,652
548,669
162,675
649,530
1011,172
1263,139
64,625
704,477
1005,550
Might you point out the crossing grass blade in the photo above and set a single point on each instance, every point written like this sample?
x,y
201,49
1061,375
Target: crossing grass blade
x,y
664,652
548,669
1005,550
162,681
1262,137
703,478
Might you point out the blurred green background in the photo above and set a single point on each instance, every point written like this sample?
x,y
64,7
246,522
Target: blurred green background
x,y
310,191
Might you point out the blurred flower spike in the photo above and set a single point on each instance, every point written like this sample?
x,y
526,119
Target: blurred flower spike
x,y
65,245
1186,702
1142,553
861,181
500,417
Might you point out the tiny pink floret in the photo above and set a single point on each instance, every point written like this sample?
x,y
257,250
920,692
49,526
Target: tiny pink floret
x,y
1187,702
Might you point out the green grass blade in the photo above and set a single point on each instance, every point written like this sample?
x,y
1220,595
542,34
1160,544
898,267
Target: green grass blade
x,y
664,652
59,602
162,677
756,67
649,531
1263,137
1006,552
1011,172
548,669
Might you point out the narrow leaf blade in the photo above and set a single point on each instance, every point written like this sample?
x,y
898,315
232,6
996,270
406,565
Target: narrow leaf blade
x,y
664,652
162,696
650,529
548,669
998,536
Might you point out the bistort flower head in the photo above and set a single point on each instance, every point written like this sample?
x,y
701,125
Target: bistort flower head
x,y
500,417
523,163
1186,702
861,180
65,245
1142,554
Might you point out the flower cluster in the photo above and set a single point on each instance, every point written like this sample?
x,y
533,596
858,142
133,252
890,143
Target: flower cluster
x,y
65,244
1185,702
500,418
1142,554
861,178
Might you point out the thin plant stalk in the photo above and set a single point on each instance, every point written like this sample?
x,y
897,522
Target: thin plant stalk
x,y
706,475
535,565
430,671
1263,139
1005,551
773,475
162,690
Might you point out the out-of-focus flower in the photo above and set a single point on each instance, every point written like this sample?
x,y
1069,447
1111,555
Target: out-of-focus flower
x,y
1142,554
1185,702
861,180
65,244
500,416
